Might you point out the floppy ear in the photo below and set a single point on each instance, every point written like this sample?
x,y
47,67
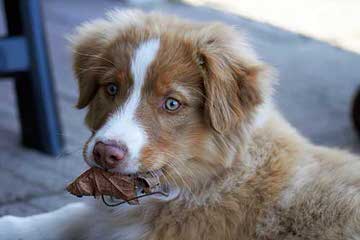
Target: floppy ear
x,y
231,72
88,43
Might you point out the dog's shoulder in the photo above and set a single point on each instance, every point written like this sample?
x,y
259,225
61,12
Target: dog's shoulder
x,y
321,199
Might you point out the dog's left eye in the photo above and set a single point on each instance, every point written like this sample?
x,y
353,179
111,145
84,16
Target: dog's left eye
x,y
111,89
172,104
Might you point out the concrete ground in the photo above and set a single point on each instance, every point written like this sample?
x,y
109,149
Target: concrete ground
x,y
334,21
316,86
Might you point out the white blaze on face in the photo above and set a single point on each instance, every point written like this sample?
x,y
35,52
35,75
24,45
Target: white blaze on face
x,y
123,126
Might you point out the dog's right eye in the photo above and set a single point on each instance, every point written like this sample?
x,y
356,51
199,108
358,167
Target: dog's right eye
x,y
111,89
171,105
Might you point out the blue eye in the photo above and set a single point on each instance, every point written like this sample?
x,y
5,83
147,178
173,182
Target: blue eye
x,y
111,89
172,104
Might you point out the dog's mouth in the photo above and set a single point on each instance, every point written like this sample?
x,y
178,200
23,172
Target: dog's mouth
x,y
116,189
146,184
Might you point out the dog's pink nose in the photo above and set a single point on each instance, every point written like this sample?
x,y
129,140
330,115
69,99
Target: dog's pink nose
x,y
109,154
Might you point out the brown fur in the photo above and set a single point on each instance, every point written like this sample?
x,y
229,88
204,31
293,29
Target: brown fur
x,y
237,180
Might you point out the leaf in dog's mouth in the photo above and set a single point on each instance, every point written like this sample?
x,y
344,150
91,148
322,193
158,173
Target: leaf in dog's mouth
x,y
97,182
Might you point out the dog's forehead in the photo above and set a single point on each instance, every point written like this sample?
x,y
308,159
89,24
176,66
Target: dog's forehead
x,y
155,65
172,67
143,57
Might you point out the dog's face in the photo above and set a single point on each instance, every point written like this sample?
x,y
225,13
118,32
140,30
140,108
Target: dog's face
x,y
164,93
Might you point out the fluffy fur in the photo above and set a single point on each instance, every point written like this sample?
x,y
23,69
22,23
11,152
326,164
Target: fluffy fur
x,y
237,169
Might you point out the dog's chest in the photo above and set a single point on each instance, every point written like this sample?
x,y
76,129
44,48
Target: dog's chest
x,y
132,231
124,222
123,232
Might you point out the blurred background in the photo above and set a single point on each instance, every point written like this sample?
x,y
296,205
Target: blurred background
x,y
315,46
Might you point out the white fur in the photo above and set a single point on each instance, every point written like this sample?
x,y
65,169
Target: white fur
x,y
125,222
305,172
123,126
69,222
106,29
262,113
77,221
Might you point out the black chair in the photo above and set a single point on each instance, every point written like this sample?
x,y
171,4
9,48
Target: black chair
x,y
23,57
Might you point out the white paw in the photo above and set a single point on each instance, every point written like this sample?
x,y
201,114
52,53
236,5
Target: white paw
x,y
10,228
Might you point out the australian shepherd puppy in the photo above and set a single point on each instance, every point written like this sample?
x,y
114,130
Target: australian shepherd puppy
x,y
193,101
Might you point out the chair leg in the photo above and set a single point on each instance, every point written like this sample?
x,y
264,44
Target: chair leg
x,y
38,117
36,99
356,111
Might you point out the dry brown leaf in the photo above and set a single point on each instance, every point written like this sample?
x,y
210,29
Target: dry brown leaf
x,y
97,182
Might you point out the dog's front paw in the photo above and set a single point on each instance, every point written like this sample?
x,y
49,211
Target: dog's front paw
x,y
11,228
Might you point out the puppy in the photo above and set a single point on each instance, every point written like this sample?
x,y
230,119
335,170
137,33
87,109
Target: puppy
x,y
194,101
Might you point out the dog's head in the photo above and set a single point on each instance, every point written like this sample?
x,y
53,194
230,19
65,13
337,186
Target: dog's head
x,y
164,93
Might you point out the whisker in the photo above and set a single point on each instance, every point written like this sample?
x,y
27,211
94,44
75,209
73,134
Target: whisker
x,y
186,185
69,153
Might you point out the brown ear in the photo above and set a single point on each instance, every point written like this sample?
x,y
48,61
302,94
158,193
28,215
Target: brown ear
x,y
88,44
84,62
231,80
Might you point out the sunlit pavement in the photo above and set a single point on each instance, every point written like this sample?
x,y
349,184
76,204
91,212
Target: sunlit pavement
x,y
334,21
